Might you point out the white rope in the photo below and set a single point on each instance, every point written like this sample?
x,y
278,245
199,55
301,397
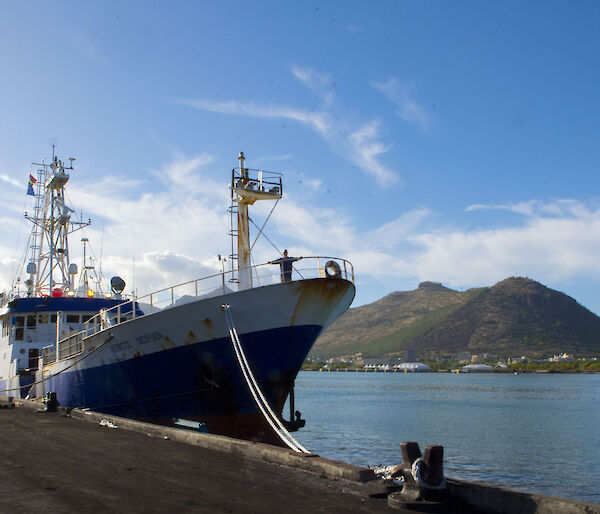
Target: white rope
x,y
257,394
261,401
416,474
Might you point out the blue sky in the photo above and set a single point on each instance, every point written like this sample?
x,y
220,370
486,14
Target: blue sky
x,y
446,141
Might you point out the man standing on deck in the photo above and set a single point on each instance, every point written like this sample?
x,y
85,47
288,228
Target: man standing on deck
x,y
285,265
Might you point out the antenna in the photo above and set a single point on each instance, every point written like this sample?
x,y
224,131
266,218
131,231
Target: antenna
x,y
53,142
133,284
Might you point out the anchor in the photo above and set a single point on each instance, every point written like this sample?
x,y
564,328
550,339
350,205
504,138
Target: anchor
x,y
296,422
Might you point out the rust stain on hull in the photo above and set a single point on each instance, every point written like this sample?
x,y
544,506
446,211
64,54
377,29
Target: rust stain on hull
x,y
169,342
208,324
318,293
191,338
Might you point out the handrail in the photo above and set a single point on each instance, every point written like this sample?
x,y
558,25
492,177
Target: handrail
x,y
128,310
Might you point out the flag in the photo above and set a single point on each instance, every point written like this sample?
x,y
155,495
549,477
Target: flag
x,y
32,181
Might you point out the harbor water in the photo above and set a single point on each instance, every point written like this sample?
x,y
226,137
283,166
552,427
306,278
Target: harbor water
x,y
532,432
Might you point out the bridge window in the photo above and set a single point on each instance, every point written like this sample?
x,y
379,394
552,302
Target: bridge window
x,y
31,321
43,318
19,323
72,318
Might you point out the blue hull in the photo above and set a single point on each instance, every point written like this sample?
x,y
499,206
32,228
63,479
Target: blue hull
x,y
200,381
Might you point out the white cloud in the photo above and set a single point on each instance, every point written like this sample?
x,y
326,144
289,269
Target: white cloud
x,y
408,109
536,208
557,241
157,236
366,147
321,84
358,143
170,231
318,121
11,181
390,236
316,184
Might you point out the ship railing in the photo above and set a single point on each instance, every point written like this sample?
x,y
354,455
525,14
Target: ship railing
x,y
214,285
48,354
262,275
70,346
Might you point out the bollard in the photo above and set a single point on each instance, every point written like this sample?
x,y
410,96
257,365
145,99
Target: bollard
x,y
51,402
423,476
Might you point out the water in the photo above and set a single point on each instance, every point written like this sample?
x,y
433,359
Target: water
x,y
532,432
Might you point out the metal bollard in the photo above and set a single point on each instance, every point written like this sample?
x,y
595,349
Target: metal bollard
x,y
423,476
51,402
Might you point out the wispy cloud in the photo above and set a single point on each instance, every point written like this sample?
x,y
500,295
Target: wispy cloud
x,y
556,241
366,147
172,234
408,109
316,184
318,121
11,181
537,208
320,83
359,143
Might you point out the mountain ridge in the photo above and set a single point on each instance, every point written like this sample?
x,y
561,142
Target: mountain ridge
x,y
516,316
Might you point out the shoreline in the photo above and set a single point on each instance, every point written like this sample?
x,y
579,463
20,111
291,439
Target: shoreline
x,y
500,372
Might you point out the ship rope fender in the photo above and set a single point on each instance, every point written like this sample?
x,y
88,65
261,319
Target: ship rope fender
x,y
110,338
257,394
417,475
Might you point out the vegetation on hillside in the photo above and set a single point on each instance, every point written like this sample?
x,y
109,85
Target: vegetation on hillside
x,y
515,317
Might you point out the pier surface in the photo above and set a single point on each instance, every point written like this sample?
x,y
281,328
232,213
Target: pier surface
x,y
58,463
53,463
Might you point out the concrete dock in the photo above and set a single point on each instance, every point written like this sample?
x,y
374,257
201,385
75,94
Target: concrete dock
x,y
54,463
75,462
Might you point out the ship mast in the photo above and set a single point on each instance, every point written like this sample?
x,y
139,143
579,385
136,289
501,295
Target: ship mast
x,y
49,268
248,186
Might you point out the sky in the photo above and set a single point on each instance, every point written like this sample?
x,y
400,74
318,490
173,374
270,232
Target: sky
x,y
456,142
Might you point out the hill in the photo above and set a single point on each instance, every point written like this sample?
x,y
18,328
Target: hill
x,y
517,316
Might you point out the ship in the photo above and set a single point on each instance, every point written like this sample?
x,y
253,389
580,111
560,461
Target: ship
x,y
218,354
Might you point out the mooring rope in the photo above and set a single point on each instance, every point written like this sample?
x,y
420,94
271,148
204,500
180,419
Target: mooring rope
x,y
257,394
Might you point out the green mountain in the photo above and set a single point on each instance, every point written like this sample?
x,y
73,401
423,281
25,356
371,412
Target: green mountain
x,y
515,317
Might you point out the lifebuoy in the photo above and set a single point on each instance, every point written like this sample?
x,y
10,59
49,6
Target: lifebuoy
x,y
333,270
